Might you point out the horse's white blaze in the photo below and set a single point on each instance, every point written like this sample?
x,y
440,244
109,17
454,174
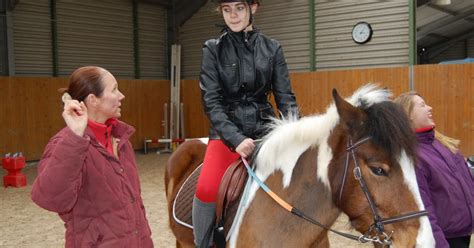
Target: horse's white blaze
x,y
290,137
425,236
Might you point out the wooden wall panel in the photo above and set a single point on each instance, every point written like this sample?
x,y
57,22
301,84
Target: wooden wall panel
x,y
196,122
449,90
143,108
30,114
314,90
31,110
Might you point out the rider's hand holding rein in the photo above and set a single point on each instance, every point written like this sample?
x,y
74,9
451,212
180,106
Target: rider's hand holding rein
x,y
246,147
75,116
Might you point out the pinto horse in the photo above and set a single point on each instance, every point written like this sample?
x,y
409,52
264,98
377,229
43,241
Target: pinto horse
x,y
357,158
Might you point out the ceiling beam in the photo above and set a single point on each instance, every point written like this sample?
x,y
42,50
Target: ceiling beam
x,y
420,3
428,28
438,36
442,9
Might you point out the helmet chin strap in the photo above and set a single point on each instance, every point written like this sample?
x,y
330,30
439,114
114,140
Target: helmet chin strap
x,y
246,35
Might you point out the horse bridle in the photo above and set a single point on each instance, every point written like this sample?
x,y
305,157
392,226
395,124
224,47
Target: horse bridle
x,y
378,226
380,236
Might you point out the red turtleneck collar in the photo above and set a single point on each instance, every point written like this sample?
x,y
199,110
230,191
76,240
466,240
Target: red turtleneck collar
x,y
103,132
424,129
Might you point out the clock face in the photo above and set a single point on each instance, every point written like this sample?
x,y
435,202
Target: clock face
x,y
362,32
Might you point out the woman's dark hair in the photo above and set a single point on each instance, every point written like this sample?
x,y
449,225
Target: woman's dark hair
x,y
84,81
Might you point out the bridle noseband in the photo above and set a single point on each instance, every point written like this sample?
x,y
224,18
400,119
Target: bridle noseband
x,y
380,237
378,226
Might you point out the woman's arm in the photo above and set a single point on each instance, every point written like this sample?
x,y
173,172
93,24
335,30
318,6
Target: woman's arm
x,y
281,86
60,172
212,98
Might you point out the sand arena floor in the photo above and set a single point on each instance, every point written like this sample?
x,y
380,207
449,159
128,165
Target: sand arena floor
x,y
25,225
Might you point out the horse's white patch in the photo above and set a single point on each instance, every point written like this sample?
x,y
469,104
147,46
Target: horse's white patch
x,y
425,236
290,137
204,140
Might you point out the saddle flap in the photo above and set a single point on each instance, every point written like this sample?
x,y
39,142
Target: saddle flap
x,y
230,188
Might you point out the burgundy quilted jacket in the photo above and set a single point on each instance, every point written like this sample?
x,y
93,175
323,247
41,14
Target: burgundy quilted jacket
x,y
96,194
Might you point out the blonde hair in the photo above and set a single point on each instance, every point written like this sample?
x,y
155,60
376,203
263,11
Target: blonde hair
x,y
406,101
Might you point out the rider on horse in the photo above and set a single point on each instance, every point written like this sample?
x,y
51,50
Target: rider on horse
x,y
239,70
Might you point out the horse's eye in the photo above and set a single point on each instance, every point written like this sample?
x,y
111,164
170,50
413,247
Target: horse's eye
x,y
378,171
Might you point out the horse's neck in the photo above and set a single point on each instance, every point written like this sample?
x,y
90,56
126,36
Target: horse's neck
x,y
266,221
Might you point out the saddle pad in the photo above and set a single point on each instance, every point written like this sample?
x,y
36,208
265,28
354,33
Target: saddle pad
x,y
183,203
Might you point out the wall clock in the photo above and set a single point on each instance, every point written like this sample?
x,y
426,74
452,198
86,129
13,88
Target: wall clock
x,y
362,32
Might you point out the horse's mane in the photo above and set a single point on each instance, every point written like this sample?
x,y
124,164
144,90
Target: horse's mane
x,y
390,129
290,137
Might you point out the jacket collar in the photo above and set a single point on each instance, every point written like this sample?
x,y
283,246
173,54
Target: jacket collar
x,y
239,37
425,135
120,130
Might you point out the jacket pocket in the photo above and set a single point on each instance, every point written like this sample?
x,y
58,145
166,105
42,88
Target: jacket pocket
x,y
93,236
230,77
264,69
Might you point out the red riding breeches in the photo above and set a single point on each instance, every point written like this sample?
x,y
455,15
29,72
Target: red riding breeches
x,y
216,161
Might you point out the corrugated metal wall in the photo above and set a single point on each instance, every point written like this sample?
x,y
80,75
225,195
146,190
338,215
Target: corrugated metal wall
x,y
199,28
96,33
89,33
286,21
3,39
152,38
335,48
32,38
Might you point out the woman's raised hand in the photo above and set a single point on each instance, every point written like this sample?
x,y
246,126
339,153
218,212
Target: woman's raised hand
x,y
75,116
246,147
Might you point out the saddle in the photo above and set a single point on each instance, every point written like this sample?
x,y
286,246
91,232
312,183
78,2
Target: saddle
x,y
228,198
229,194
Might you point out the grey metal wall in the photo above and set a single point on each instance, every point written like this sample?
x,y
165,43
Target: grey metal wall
x,y
286,21
32,38
3,39
90,32
96,33
199,28
335,48
152,38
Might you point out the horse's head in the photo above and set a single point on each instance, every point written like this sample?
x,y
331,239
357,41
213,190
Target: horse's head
x,y
372,175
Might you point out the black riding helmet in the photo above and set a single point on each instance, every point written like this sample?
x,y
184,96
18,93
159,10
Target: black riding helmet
x,y
232,1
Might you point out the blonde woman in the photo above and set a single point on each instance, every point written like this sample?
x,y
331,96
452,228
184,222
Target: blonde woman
x,y
444,179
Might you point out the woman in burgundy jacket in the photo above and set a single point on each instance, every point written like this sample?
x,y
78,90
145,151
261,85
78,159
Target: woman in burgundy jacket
x,y
88,174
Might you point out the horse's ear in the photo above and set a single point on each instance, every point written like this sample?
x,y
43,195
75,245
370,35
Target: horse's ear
x,y
353,117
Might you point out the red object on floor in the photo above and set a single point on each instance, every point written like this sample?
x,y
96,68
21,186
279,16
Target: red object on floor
x,y
14,178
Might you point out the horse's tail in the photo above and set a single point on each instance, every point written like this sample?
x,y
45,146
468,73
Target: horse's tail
x,y
181,163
